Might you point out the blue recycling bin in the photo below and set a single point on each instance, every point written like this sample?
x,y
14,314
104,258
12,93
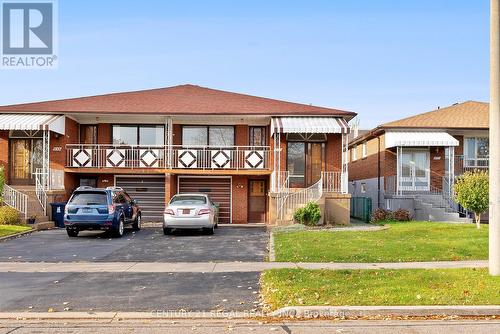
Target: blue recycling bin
x,y
58,213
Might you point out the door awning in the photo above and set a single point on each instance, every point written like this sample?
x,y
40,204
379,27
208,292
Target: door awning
x,y
28,122
419,138
309,125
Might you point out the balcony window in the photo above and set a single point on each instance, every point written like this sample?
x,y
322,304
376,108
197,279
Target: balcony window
x,y
131,135
208,135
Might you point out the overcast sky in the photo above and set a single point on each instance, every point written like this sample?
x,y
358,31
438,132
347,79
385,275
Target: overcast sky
x,y
382,59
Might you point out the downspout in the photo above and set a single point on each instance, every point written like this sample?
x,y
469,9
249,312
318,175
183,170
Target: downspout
x,y
378,173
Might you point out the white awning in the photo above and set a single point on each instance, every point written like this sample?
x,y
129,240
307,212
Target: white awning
x,y
419,138
27,122
309,125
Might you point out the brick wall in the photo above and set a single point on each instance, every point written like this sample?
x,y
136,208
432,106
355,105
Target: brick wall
x,y
4,152
333,152
170,186
240,199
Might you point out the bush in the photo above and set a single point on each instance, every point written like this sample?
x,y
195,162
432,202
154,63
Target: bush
x,y
308,215
401,215
471,192
9,216
380,215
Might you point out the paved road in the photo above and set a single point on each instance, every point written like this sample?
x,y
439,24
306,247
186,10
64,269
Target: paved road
x,y
147,245
128,291
208,326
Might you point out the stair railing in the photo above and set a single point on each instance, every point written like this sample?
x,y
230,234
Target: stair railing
x,y
291,201
16,199
40,186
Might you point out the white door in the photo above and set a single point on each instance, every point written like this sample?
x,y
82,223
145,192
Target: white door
x,y
414,171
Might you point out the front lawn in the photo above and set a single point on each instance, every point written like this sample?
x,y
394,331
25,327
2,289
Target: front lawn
x,y
405,241
12,229
295,287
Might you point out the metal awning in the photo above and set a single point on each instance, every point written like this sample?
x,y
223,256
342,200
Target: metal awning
x,y
309,125
28,122
419,138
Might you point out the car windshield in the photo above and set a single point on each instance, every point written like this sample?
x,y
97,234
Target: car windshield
x,y
189,199
89,198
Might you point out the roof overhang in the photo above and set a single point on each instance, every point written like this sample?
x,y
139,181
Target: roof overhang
x,y
419,138
33,122
309,125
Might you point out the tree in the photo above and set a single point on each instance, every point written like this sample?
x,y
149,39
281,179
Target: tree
x,y
471,192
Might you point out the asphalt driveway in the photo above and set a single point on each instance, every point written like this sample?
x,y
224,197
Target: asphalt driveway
x,y
147,245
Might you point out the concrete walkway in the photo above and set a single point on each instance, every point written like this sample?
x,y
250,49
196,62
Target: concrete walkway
x,y
216,267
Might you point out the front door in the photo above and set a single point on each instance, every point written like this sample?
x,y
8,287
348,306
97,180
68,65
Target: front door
x,y
415,171
26,157
257,201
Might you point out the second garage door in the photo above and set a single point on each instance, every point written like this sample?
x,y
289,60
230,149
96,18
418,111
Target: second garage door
x,y
218,188
149,193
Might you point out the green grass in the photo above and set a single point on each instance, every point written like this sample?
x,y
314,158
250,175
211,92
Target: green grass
x,y
12,229
409,241
294,287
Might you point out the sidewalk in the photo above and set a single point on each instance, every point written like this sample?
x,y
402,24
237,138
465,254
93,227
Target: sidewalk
x,y
217,267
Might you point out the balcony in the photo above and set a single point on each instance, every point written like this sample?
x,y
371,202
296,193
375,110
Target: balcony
x,y
168,157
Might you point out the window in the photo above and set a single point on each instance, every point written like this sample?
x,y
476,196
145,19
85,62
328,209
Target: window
x,y
363,187
363,150
354,155
188,199
119,198
296,163
476,152
208,135
147,135
89,198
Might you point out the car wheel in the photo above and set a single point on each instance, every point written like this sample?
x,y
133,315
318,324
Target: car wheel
x,y
167,231
72,233
216,225
120,229
137,224
209,230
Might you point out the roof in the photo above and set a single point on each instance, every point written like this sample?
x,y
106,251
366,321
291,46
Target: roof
x,y
470,115
177,100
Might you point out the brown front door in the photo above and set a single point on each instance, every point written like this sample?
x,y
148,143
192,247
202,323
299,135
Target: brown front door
x,y
26,157
257,201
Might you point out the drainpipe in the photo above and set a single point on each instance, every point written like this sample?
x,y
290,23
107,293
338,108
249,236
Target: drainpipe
x,y
378,173
494,222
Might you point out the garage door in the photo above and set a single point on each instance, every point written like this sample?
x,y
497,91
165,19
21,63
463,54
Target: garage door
x,y
149,193
219,190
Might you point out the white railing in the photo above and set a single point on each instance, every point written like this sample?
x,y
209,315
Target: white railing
x,y
280,181
168,157
291,201
40,188
16,199
332,182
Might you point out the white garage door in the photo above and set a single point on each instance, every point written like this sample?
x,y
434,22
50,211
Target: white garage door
x,y
149,193
218,188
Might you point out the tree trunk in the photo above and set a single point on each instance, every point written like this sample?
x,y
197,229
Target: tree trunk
x,y
478,220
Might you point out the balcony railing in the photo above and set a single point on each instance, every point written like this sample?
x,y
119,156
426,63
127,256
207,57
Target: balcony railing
x,y
168,157
464,164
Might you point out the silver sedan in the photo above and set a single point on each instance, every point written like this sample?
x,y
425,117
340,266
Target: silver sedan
x,y
190,211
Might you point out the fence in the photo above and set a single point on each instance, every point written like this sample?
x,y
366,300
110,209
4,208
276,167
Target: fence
x,y
361,208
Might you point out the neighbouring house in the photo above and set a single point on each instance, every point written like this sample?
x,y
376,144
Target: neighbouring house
x,y
258,158
412,163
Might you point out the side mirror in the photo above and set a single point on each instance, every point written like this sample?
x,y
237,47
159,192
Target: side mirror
x,y
133,201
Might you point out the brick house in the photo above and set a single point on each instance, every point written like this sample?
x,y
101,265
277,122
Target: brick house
x,y
253,155
412,163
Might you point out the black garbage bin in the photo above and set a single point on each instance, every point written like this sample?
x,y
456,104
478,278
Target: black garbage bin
x,y
58,213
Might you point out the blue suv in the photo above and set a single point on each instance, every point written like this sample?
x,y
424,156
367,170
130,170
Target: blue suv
x,y
107,209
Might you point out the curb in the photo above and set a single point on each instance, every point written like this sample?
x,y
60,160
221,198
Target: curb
x,y
304,312
364,311
15,235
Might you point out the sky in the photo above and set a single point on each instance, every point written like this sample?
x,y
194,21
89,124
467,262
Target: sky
x,y
383,59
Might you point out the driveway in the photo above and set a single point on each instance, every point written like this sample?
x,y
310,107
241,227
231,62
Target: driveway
x,y
147,245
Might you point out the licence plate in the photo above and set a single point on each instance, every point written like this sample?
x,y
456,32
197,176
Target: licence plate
x,y
87,210
186,211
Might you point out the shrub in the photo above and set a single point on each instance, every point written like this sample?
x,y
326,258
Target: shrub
x,y
380,215
308,215
471,192
9,216
401,215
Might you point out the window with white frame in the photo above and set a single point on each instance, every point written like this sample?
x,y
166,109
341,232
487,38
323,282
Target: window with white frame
x,y
363,187
354,153
363,150
476,152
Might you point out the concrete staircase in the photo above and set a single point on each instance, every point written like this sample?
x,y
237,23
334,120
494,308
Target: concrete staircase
x,y
34,207
436,208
